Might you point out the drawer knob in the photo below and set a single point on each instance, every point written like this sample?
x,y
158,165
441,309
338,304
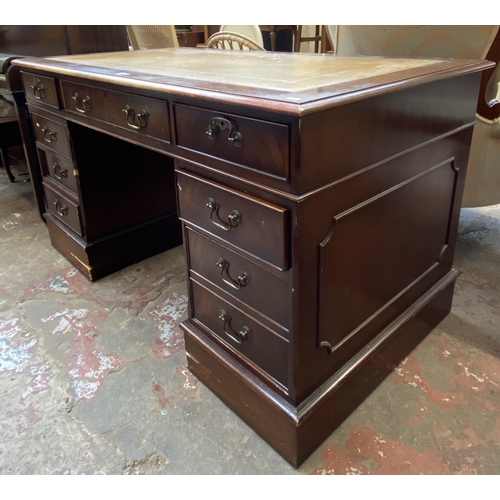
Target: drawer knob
x,y
136,121
81,105
38,89
223,124
60,208
232,220
48,135
59,172
241,281
238,337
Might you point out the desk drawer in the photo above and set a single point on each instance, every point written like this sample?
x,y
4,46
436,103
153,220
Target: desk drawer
x,y
246,336
244,280
247,142
142,114
63,208
51,134
59,168
253,225
40,89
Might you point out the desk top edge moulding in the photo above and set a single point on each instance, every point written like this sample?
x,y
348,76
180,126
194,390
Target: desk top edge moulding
x,y
317,197
316,81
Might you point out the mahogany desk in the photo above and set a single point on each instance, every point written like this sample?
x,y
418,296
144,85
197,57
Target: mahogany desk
x,y
319,198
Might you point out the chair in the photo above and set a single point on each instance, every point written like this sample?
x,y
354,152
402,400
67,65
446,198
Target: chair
x,y
320,36
482,184
251,31
152,36
232,41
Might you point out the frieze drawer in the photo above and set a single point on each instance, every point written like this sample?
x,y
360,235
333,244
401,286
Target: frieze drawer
x,y
254,144
40,89
143,115
251,224
261,346
63,208
260,289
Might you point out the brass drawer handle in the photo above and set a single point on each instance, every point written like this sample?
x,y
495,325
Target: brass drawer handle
x,y
220,123
59,172
81,105
48,135
232,220
60,208
136,121
238,337
241,281
38,89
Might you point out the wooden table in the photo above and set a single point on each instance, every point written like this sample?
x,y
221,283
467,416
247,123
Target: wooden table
x,y
319,198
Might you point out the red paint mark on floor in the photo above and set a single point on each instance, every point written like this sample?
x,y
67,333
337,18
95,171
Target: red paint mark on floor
x,y
159,391
409,372
365,452
87,365
181,393
417,419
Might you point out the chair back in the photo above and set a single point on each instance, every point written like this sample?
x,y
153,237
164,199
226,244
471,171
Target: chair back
x,y
461,42
152,36
232,41
482,184
251,31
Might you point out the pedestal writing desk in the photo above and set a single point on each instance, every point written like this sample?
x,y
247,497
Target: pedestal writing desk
x,y
319,198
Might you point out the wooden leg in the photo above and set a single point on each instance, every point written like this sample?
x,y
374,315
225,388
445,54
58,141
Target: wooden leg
x,y
272,36
298,36
5,162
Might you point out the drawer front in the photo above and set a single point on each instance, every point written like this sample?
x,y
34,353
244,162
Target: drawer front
x,y
244,280
63,208
246,142
255,226
59,168
142,114
245,335
40,89
51,134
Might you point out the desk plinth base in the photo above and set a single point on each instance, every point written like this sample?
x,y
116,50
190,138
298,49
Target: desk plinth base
x,y
98,259
296,432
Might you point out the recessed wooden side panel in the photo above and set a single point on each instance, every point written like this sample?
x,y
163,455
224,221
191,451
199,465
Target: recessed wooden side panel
x,y
378,250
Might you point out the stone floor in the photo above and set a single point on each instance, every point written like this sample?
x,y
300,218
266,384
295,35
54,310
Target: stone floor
x,y
93,376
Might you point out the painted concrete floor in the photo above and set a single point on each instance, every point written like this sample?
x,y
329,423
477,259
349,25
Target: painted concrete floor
x,y
93,377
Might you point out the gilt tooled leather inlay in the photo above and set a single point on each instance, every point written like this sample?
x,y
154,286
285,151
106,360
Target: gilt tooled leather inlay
x,y
295,74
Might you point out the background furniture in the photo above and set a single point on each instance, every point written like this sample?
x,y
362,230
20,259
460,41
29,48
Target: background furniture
x,y
251,31
232,41
482,186
319,199
51,40
47,40
9,133
152,36
193,37
320,39
278,37
15,128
